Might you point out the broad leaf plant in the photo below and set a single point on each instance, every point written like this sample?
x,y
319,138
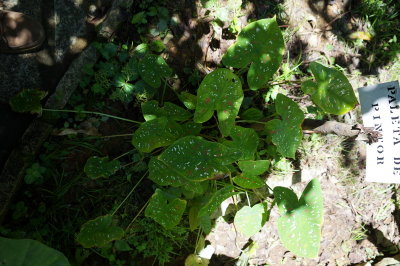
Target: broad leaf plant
x,y
207,166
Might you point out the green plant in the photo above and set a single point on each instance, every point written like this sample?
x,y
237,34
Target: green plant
x,y
34,174
149,239
147,15
29,252
382,21
198,160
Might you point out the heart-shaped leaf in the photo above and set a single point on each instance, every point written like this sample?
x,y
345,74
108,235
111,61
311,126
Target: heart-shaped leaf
x,y
21,252
254,167
216,199
156,133
332,91
28,100
249,220
286,133
221,90
250,171
248,181
299,226
151,110
245,140
189,160
165,210
261,44
99,232
97,167
152,68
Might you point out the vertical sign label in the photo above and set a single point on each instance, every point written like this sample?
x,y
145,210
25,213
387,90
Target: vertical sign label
x,y
380,110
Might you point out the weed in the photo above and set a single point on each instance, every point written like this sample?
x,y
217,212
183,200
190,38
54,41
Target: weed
x,y
359,233
383,22
149,239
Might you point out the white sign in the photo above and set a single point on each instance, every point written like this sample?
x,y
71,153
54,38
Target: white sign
x,y
380,110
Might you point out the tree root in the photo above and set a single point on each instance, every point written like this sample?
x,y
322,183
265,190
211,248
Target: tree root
x,y
367,134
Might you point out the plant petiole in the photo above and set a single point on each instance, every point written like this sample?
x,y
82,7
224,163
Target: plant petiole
x,y
94,113
137,215
129,194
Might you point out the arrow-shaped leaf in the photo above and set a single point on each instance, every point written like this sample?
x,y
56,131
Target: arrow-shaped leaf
x,y
28,100
249,220
261,44
190,160
299,226
156,133
332,91
152,68
245,140
286,133
151,110
97,167
99,232
216,199
221,90
250,171
165,210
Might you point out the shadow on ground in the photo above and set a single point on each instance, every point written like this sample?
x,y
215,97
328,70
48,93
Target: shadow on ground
x,y
67,34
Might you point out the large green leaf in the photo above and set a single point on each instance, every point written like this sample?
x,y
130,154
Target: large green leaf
x,y
286,133
254,167
261,44
250,171
152,68
221,90
332,91
245,140
189,160
299,226
151,110
191,128
99,232
216,199
24,252
249,220
156,133
248,181
28,100
165,210
97,167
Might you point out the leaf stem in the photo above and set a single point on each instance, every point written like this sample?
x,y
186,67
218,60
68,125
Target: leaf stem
x,y
172,88
129,194
250,121
248,200
122,155
115,136
137,215
94,113
163,92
